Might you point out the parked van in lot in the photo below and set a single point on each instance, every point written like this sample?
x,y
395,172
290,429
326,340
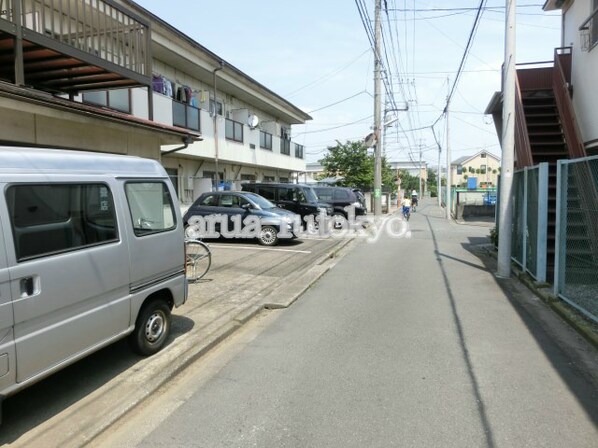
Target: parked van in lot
x,y
297,198
91,251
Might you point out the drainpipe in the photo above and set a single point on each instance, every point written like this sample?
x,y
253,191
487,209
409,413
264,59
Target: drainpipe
x,y
215,117
187,139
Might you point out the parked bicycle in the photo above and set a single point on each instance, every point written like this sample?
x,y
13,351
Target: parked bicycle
x,y
198,259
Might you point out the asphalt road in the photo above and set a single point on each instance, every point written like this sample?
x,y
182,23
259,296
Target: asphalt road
x,y
406,342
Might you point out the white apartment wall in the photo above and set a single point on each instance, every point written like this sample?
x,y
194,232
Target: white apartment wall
x,y
583,73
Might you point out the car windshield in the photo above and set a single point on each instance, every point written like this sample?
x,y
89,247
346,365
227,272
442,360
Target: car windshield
x,y
260,201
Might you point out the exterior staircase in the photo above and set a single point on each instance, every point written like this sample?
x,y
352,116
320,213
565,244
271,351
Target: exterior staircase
x,y
547,144
548,132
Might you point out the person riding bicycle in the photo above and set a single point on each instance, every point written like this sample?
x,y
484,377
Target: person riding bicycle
x,y
414,200
406,204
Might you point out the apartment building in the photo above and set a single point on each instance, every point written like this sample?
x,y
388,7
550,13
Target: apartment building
x,y
109,76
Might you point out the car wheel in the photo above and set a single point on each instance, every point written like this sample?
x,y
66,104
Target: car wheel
x,y
151,328
268,236
337,220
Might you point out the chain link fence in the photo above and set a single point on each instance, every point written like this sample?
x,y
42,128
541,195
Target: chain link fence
x,y
530,211
576,274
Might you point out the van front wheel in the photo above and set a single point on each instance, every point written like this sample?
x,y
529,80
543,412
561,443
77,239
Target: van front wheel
x,y
152,328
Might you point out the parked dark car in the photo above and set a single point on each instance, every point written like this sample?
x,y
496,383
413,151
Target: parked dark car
x,y
274,222
297,198
341,199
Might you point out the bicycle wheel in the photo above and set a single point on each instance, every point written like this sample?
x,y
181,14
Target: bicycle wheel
x,y
198,259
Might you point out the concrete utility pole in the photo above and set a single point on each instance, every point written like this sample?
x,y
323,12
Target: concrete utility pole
x,y
439,179
448,156
420,171
377,113
508,145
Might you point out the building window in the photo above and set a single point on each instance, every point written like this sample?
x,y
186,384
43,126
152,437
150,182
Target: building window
x,y
234,130
118,99
285,141
185,116
298,151
219,108
483,155
265,140
248,177
268,179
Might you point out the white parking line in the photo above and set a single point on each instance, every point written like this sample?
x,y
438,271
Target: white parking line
x,y
226,246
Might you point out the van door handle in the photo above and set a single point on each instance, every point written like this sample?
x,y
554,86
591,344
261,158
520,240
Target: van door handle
x,y
27,287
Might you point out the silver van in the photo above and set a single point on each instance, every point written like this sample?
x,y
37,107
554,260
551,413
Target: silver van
x,y
91,251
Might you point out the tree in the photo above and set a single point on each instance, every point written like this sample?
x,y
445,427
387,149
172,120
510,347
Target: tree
x,y
351,161
408,182
431,179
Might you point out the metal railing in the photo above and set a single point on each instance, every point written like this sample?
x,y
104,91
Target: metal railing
x,y
560,86
530,220
576,264
97,27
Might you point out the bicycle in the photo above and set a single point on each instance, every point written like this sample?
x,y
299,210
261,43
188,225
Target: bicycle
x,y
198,259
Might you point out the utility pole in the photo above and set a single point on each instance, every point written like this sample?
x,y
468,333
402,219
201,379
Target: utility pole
x,y
420,170
508,146
439,178
377,113
448,155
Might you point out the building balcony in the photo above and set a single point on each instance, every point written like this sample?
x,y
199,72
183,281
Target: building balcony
x,y
68,46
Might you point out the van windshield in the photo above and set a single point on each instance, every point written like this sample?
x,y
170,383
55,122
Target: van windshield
x,y
310,195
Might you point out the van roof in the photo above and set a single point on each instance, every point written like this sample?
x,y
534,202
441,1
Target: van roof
x,y
42,160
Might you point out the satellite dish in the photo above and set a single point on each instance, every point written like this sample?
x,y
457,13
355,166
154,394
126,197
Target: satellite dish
x,y
252,121
370,140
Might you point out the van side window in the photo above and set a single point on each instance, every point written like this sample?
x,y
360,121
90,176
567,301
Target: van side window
x,y
298,195
151,207
267,192
53,218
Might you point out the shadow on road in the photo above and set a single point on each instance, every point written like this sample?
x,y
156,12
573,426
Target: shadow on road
x,y
42,401
576,379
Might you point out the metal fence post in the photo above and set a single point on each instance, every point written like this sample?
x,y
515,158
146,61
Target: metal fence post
x,y
542,233
561,226
524,231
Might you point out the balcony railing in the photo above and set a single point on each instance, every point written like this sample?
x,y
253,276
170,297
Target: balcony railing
x,y
588,32
71,45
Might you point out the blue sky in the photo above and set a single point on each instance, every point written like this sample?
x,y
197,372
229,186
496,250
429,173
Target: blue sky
x,y
316,54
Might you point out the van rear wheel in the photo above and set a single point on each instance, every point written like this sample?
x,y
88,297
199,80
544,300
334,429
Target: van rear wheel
x,y
152,328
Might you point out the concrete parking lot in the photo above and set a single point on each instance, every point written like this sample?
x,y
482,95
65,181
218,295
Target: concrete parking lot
x,y
73,406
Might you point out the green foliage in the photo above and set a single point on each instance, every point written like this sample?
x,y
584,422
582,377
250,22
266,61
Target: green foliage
x,y
352,161
433,191
494,236
408,182
431,179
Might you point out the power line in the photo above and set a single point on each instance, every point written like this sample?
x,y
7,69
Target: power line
x,y
466,52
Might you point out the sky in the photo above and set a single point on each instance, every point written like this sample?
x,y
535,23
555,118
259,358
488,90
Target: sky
x,y
316,54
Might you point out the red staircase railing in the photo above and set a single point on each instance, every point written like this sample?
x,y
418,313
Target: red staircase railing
x,y
523,149
561,82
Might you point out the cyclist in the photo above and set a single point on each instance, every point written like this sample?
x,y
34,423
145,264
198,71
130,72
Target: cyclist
x,y
414,199
406,204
